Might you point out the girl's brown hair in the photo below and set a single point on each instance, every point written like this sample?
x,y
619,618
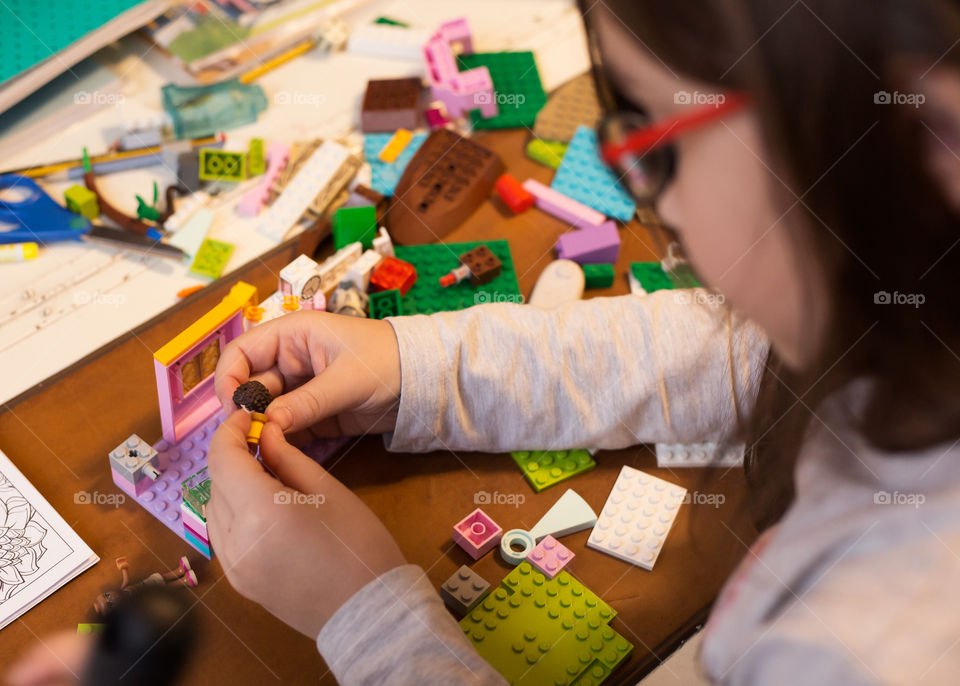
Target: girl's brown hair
x,y
822,75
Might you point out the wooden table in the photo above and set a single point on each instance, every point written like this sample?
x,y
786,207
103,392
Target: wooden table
x,y
59,435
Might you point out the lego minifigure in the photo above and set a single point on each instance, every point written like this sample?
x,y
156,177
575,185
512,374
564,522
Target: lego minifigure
x,y
253,397
348,300
182,575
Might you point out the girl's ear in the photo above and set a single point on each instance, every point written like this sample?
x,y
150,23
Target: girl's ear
x,y
935,93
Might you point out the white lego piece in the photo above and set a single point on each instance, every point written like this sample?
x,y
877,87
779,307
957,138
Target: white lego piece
x,y
382,243
300,278
188,207
388,42
194,230
570,514
699,455
335,267
358,275
561,282
635,287
637,517
312,178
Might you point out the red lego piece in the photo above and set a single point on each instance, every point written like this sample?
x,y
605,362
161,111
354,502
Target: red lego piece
x,y
513,194
393,273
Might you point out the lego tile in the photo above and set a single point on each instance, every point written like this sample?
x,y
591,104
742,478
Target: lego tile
x,y
464,590
547,153
477,533
390,104
446,181
517,89
583,177
572,105
563,208
546,468
352,224
436,260
385,176
637,517
396,145
649,276
550,556
599,244
211,258
222,165
598,275
386,304
699,455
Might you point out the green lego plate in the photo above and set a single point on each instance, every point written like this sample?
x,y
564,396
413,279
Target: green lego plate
x,y
546,468
535,630
436,259
652,277
516,85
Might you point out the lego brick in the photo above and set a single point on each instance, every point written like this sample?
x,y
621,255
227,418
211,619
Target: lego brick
x,y
583,177
600,244
448,178
300,278
386,41
82,200
359,273
336,266
199,545
400,139
477,533
535,630
649,276
390,104
393,273
547,153
598,275
222,165
192,521
134,460
459,91
637,517
188,170
563,208
252,202
211,258
546,468
572,105
87,628
699,455
383,245
559,283
484,266
514,196
386,304
385,176
352,224
550,557
257,163
436,260
517,89
464,590
436,117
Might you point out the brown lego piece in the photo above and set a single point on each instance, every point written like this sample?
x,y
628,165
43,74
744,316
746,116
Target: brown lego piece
x,y
484,266
448,178
573,104
390,104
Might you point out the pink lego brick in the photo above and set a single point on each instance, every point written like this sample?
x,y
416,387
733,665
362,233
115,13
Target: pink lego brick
x,y
597,245
193,522
436,118
200,536
459,91
563,208
477,533
253,200
550,556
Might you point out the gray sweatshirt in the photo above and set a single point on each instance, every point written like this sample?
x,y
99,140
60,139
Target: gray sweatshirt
x,y
846,589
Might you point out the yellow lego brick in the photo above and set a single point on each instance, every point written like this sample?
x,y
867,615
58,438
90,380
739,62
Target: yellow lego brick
x,y
240,295
391,151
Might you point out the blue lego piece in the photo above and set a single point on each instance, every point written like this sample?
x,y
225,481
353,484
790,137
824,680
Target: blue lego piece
x,y
583,177
386,175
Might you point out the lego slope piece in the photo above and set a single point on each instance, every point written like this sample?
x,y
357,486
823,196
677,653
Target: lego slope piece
x,y
386,175
600,244
464,590
448,178
517,89
390,104
637,517
699,455
572,105
550,556
583,177
546,468
434,261
477,533
535,630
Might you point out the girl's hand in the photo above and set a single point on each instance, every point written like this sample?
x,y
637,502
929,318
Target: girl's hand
x,y
300,544
330,375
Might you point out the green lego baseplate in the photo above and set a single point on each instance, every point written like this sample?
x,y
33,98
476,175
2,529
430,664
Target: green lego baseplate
x,y
546,468
437,259
535,630
386,304
516,86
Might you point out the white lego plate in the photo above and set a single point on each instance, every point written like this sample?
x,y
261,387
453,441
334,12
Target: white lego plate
x,y
699,455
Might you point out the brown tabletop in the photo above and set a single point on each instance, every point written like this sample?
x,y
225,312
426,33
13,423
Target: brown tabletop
x,y
59,435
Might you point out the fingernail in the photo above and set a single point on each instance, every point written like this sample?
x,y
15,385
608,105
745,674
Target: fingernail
x,y
282,416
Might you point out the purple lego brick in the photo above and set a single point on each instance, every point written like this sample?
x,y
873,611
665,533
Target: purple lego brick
x,y
477,533
550,556
598,245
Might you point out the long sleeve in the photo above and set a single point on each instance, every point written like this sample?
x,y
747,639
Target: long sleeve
x,y
603,373
395,630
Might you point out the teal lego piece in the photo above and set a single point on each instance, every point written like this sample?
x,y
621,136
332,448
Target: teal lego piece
x,y
352,224
546,468
385,175
437,259
535,630
583,177
198,111
257,161
651,276
516,87
211,258
386,304
222,165
598,275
